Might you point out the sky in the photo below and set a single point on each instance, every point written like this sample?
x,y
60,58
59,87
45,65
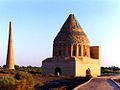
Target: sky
x,y
35,24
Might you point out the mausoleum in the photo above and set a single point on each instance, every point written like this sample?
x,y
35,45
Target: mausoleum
x,y
72,53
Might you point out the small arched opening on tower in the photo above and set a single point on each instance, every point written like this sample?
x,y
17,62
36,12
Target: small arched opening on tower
x,y
79,50
74,50
59,52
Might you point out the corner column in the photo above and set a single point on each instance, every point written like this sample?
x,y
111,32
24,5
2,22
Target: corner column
x,y
81,50
77,50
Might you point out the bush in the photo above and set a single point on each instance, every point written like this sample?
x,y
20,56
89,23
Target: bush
x,y
8,71
20,85
26,78
39,84
7,83
11,71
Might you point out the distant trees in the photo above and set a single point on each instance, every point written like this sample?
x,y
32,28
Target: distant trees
x,y
29,69
110,70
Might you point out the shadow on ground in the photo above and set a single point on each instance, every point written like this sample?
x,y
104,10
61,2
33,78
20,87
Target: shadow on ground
x,y
112,84
67,84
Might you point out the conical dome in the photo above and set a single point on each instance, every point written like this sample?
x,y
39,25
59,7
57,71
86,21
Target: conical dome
x,y
71,33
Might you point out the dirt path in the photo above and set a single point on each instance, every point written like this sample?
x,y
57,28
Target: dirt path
x,y
100,83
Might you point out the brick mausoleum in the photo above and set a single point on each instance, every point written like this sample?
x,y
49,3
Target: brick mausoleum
x,y
72,53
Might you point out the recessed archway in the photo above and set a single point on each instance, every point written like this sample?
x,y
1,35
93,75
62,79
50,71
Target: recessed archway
x,y
57,71
88,72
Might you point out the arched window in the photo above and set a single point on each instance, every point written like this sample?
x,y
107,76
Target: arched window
x,y
69,50
64,50
74,50
59,52
79,48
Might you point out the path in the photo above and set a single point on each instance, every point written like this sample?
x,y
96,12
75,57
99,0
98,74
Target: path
x,y
100,83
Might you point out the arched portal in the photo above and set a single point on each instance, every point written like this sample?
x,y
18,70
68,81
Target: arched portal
x,y
88,73
57,71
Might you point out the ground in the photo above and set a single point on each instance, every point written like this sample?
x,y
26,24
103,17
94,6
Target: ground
x,y
63,83
100,83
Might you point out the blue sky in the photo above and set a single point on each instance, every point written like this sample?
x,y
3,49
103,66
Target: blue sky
x,y
36,23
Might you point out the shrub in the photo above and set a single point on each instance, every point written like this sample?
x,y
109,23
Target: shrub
x,y
11,71
7,71
39,84
26,78
7,83
20,85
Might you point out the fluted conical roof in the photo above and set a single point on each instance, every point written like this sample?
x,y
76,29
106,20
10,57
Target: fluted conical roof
x,y
71,33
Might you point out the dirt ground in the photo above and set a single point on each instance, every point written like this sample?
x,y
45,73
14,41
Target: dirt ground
x,y
117,79
101,83
45,79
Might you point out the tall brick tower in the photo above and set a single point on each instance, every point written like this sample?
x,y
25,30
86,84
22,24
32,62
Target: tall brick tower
x,y
10,52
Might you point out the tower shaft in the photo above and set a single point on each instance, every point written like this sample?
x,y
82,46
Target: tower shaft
x,y
10,52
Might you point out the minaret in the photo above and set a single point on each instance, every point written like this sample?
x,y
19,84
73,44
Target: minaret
x,y
10,52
